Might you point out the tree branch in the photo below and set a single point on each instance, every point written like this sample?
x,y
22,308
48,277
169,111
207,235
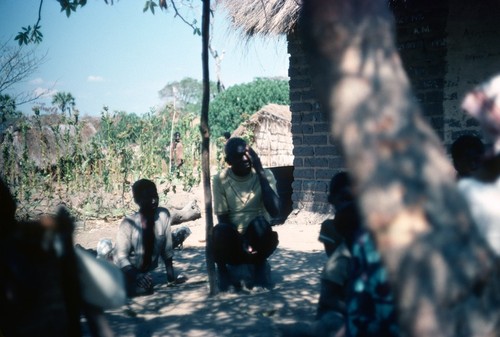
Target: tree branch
x,y
178,14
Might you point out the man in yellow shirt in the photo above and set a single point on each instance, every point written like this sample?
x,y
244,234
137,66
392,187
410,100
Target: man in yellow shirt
x,y
245,199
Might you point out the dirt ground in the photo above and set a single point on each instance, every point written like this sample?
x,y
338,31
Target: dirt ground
x,y
188,310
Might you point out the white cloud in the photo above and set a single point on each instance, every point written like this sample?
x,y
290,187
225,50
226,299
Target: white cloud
x,y
36,81
93,78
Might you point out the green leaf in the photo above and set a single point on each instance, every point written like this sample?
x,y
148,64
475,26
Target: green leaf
x,y
22,38
63,3
36,36
146,6
152,6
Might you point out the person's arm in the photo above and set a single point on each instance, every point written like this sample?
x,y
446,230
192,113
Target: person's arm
x,y
221,208
124,245
169,267
123,248
270,197
166,252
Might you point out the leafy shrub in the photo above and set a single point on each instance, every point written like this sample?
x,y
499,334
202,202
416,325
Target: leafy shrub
x,y
125,147
231,107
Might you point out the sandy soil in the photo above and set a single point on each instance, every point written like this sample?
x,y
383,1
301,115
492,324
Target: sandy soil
x,y
188,310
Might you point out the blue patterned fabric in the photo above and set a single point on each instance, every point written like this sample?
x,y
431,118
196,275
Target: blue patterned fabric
x,y
370,309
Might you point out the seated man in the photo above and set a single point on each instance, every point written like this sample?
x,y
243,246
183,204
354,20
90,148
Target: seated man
x,y
142,238
244,200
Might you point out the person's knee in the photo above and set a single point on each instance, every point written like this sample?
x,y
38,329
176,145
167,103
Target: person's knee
x,y
269,244
223,231
263,245
260,226
227,243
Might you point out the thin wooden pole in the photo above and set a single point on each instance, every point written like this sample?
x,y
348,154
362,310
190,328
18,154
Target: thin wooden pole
x,y
205,150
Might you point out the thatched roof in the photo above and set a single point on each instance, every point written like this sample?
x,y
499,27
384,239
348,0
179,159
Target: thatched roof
x,y
263,17
269,131
279,114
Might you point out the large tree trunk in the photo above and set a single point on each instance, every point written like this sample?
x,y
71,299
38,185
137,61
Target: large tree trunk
x,y
205,158
445,277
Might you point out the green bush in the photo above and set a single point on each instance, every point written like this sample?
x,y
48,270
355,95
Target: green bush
x,y
125,148
235,105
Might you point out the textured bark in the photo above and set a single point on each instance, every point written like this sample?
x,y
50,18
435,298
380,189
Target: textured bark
x,y
445,277
205,147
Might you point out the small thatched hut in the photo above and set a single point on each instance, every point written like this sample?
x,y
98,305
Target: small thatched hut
x,y
446,46
271,135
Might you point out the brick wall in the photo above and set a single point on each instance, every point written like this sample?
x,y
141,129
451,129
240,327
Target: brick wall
x,y
421,42
446,48
316,158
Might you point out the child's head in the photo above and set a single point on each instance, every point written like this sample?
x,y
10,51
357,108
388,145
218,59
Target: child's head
x,y
346,224
467,152
340,193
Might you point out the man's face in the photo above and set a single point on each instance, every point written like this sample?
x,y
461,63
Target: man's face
x,y
239,159
147,200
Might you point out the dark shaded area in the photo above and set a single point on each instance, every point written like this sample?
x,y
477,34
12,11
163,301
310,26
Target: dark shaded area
x,y
39,287
284,180
187,309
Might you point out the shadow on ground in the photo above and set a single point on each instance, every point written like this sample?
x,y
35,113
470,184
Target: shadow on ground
x,y
187,310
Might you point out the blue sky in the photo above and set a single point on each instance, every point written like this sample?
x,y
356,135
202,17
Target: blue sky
x,y
121,57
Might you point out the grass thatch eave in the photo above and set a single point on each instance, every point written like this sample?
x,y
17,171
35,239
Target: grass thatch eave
x,y
263,17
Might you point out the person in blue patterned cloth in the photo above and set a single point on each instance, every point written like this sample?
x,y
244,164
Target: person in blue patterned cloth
x,y
370,309
338,236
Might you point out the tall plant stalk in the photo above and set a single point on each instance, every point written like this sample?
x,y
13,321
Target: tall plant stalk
x,y
171,163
